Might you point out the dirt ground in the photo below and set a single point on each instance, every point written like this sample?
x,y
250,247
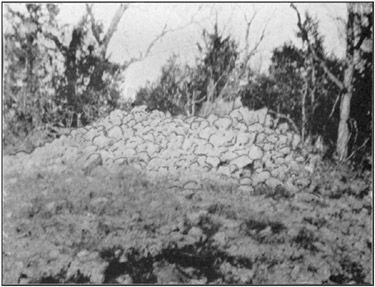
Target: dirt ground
x,y
126,228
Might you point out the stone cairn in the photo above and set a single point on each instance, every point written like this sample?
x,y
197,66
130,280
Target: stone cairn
x,y
244,147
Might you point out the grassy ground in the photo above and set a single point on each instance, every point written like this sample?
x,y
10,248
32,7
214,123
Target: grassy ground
x,y
125,228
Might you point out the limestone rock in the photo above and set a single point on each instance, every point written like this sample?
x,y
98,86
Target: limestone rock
x,y
213,161
241,161
261,115
246,189
90,135
223,123
102,141
243,138
115,132
256,127
236,114
220,238
246,181
90,149
222,139
228,156
191,184
156,163
127,132
260,177
296,141
241,126
212,118
302,182
141,108
255,152
273,182
283,128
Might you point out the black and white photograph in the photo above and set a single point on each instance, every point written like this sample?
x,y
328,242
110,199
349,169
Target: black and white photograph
x,y
187,143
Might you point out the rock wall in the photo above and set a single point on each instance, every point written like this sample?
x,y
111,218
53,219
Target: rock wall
x,y
243,147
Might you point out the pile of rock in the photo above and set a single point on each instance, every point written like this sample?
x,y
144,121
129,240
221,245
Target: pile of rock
x,y
244,146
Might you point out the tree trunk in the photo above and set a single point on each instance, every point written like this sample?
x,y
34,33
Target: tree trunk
x,y
343,135
303,128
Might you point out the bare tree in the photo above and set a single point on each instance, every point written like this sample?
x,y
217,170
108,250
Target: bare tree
x,y
235,78
358,29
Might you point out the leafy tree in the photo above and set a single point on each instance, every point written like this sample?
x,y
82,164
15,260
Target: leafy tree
x,y
214,68
184,89
167,94
359,32
31,69
91,85
293,87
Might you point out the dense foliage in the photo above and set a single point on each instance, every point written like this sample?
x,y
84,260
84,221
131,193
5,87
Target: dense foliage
x,y
54,76
183,89
295,87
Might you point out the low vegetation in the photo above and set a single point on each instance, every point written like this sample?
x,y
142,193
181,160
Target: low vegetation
x,y
124,228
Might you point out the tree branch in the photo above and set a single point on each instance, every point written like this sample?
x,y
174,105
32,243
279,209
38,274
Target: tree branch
x,y
334,106
321,62
93,24
63,49
113,26
285,117
148,49
248,26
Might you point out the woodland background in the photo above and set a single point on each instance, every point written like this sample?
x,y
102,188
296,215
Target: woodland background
x,y
59,76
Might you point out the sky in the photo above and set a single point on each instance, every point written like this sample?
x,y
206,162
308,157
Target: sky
x,y
141,23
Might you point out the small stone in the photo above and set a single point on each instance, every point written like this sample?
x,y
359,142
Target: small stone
x,y
296,141
102,141
213,161
188,193
241,126
260,177
243,139
191,184
302,182
127,132
242,161
255,152
128,152
285,150
228,156
283,128
220,238
195,217
246,189
124,279
206,133
90,149
223,123
246,181
257,128
212,118
115,132
53,254
273,182
89,135
268,121
99,172
236,114
260,138
83,253
289,186
196,233
222,139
